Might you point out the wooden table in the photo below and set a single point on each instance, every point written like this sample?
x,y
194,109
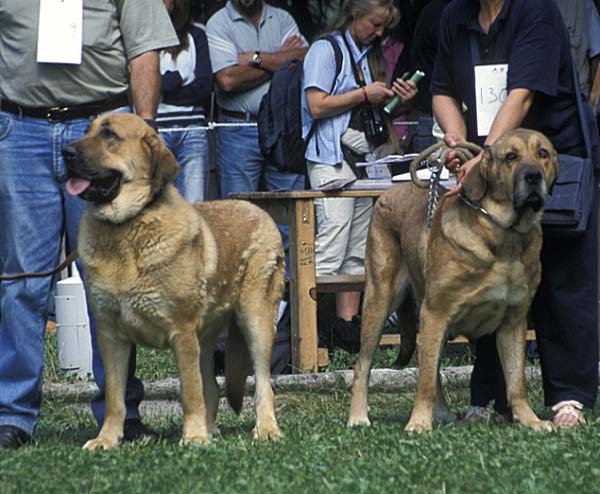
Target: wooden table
x,y
297,209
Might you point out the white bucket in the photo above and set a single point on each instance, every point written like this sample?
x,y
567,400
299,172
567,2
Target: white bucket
x,y
73,327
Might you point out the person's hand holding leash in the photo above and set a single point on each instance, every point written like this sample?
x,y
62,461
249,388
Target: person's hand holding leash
x,y
455,166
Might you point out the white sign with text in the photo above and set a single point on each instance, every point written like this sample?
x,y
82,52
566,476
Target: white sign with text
x,y
60,37
490,94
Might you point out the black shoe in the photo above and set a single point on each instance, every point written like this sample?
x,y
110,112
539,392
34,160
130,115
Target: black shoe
x,y
346,334
134,430
12,437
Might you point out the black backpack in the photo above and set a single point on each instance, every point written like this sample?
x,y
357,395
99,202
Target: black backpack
x,y
280,116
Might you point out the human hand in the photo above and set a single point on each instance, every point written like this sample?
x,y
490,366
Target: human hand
x,y
378,93
404,89
292,43
461,172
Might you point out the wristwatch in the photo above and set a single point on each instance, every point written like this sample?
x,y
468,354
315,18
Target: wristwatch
x,y
256,58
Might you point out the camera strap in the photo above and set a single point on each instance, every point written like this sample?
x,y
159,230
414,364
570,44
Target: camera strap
x,y
356,69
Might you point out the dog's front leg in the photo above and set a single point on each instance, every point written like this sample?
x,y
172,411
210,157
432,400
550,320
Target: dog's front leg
x,y
511,350
187,355
115,355
432,338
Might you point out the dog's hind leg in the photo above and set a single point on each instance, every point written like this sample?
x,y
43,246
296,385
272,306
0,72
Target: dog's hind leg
x,y
257,320
209,383
384,272
511,350
258,324
186,347
115,354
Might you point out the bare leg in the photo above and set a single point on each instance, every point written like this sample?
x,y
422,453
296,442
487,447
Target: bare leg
x,y
347,304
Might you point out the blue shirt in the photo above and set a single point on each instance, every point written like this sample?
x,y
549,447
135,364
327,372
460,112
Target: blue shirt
x,y
319,72
531,37
230,33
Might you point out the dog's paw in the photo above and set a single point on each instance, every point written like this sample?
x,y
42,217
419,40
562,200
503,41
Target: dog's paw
x,y
100,442
540,425
356,421
414,426
194,441
271,433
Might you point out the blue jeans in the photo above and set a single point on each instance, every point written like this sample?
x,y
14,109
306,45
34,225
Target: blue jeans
x,y
190,148
243,168
35,211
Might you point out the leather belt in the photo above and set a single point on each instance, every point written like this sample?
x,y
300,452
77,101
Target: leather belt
x,y
64,113
239,115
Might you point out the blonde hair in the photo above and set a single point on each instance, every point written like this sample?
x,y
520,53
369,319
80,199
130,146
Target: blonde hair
x,y
354,9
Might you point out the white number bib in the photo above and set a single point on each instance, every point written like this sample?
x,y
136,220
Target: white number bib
x,y
60,38
490,94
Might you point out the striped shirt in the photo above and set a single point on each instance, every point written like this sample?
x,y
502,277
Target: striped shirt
x,y
319,72
230,33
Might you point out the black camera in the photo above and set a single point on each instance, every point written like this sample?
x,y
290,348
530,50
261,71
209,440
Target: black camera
x,y
364,120
375,130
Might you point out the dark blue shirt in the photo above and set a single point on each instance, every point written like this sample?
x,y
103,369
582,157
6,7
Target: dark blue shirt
x,y
531,37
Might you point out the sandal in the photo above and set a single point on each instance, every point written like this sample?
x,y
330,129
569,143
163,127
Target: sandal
x,y
568,414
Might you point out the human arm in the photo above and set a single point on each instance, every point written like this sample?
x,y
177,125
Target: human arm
x,y
246,75
509,117
593,31
145,84
595,92
323,105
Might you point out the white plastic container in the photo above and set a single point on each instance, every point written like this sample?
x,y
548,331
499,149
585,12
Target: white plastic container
x,y
73,327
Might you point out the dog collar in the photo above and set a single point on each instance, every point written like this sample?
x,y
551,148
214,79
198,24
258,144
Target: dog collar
x,y
481,209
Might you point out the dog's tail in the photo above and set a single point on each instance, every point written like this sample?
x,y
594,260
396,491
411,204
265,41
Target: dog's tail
x,y
237,367
407,318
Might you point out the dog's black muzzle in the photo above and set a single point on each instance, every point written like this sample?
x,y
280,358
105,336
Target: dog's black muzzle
x,y
530,188
103,184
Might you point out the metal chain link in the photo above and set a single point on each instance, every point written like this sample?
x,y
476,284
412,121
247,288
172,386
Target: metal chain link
x,y
434,190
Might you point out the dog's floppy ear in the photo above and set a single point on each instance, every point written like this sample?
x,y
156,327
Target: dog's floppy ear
x,y
164,165
555,169
475,183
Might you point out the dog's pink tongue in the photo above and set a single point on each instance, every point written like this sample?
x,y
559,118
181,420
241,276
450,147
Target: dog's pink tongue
x,y
76,186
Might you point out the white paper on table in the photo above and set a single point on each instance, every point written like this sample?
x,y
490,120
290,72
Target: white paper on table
x,y
490,94
389,159
60,31
422,174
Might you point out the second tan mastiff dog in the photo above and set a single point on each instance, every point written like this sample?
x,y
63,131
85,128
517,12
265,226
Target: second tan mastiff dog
x,y
474,271
163,273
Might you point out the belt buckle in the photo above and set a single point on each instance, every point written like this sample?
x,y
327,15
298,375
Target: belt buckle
x,y
56,113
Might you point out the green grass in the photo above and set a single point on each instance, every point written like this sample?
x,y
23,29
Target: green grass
x,y
317,455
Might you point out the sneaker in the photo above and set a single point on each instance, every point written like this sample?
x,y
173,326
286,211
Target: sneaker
x,y
346,334
12,437
134,429
484,415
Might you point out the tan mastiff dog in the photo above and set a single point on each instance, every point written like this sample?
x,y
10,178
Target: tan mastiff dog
x,y
163,273
474,272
